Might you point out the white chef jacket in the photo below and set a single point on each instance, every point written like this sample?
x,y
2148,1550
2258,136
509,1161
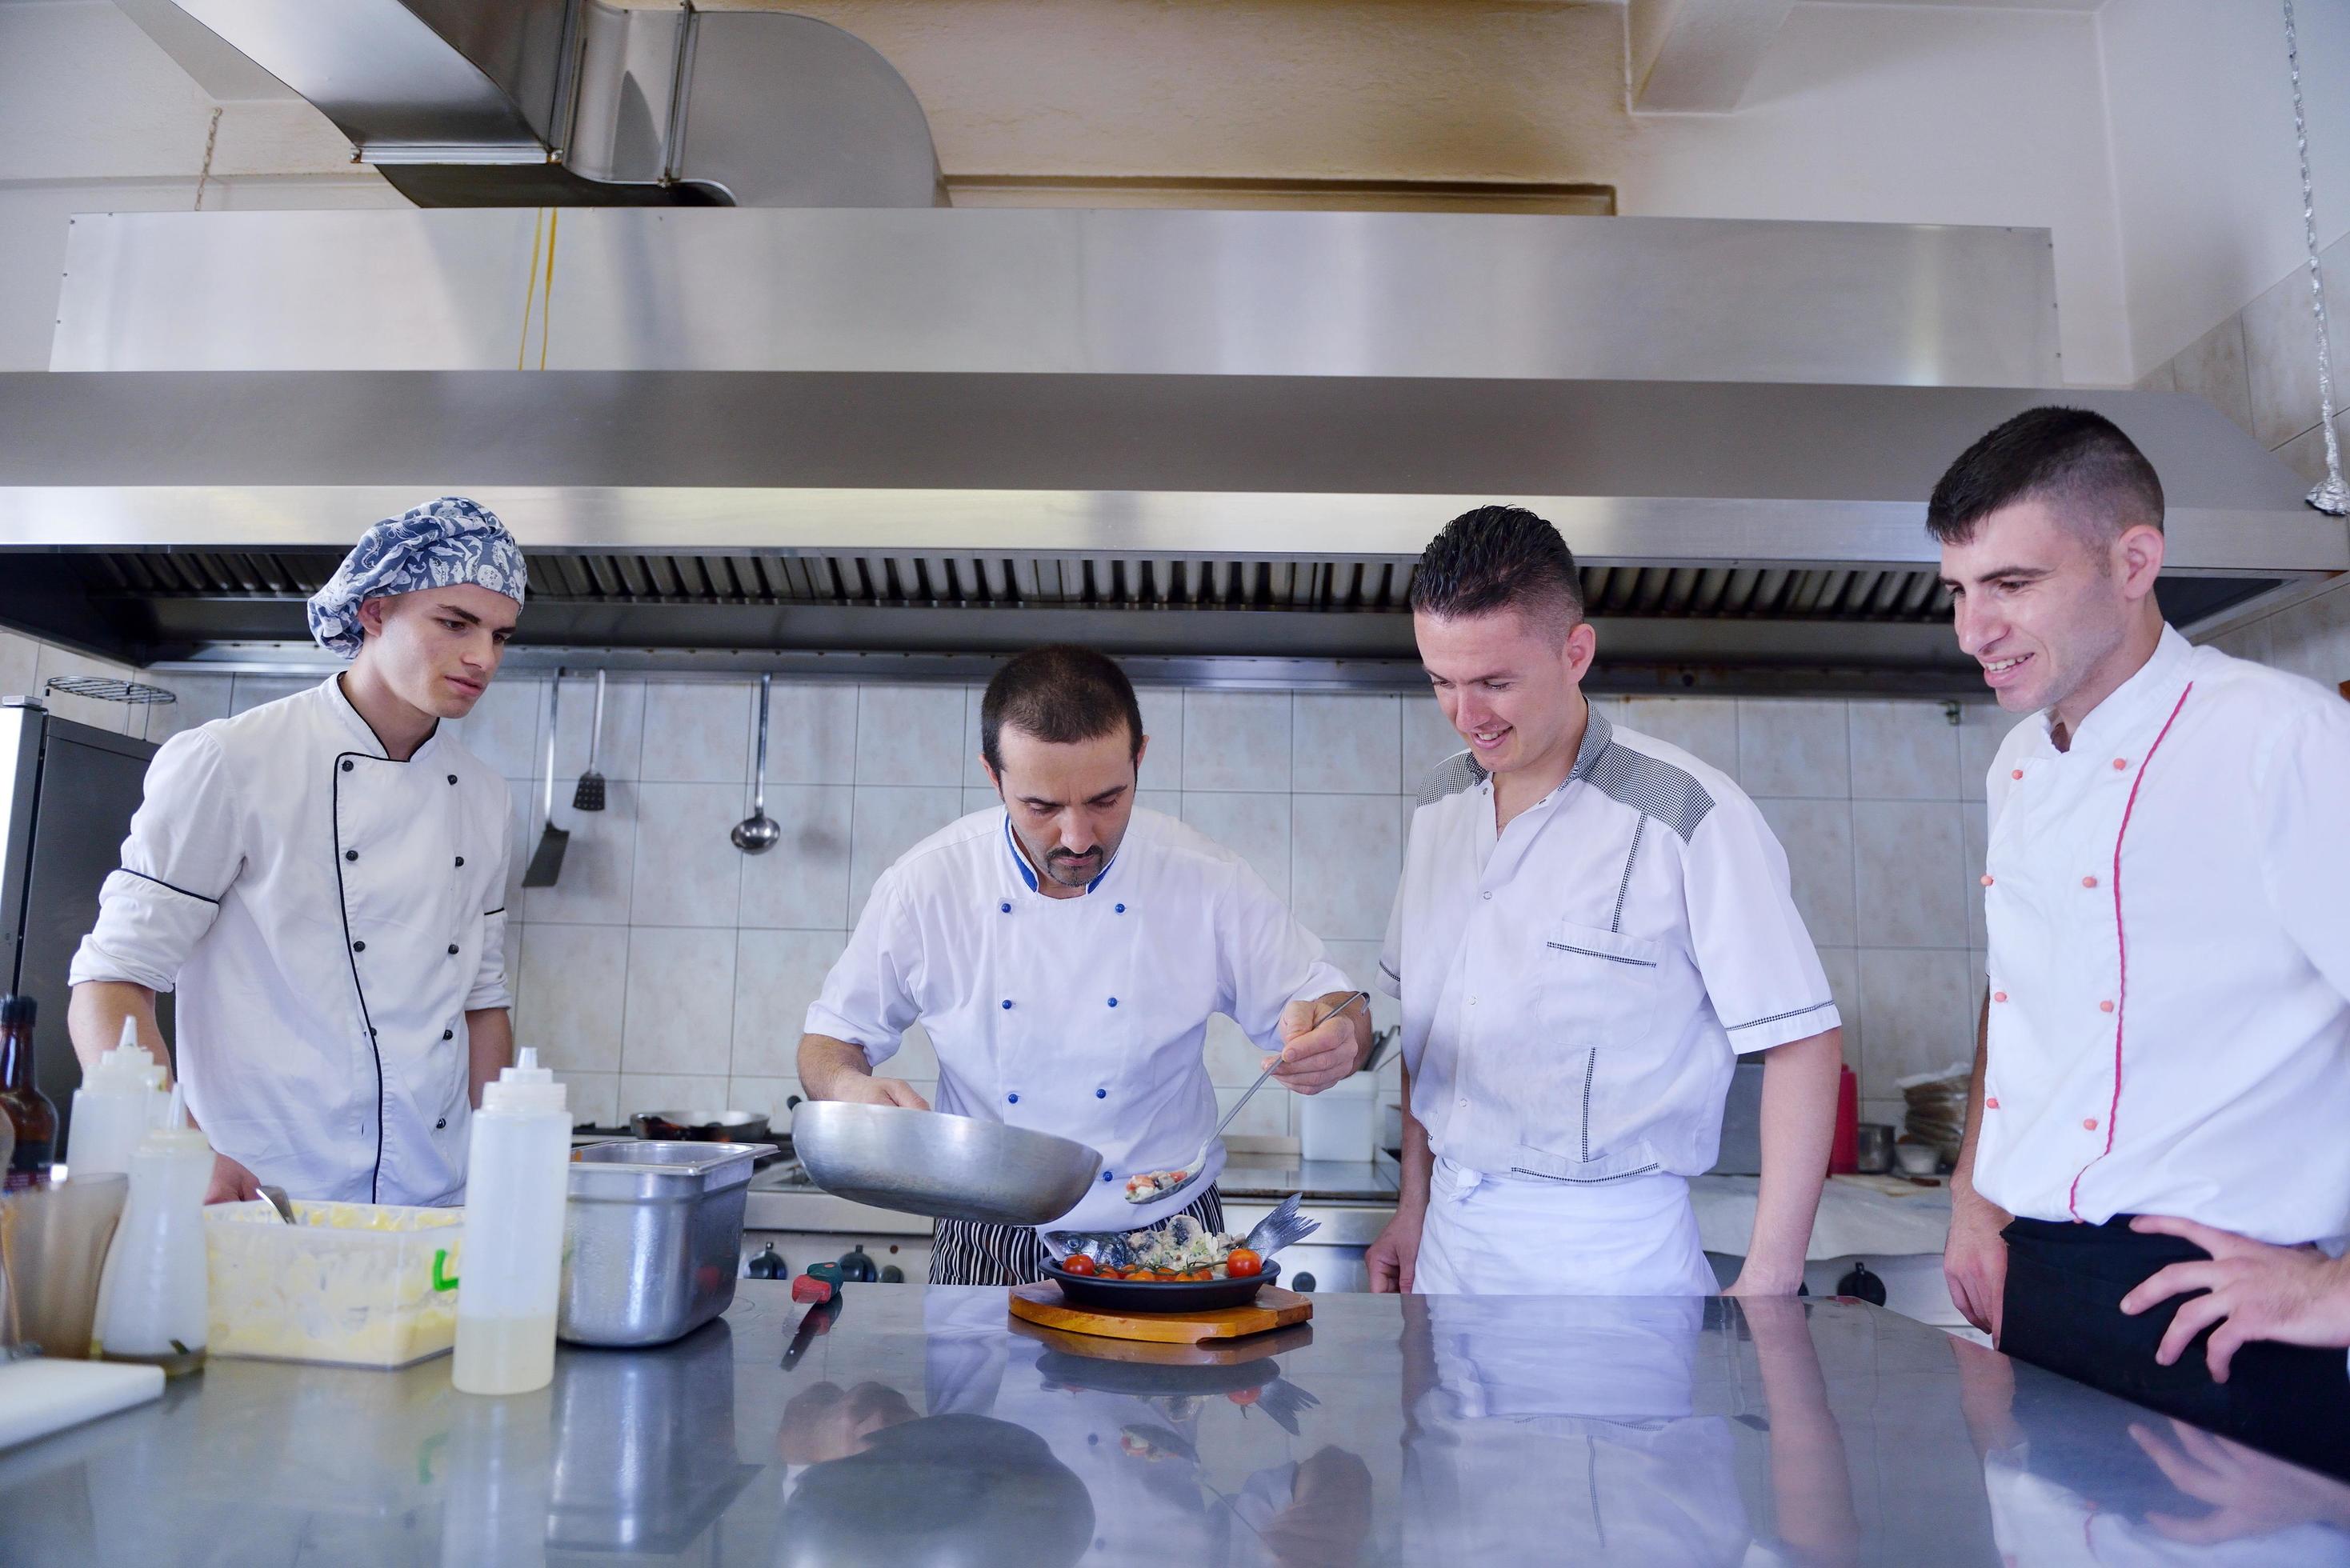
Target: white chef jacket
x,y
1081,1017
1576,989
2169,966
327,916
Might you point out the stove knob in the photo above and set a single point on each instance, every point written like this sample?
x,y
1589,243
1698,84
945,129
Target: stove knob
x,y
891,1275
1863,1285
856,1264
768,1264
1303,1284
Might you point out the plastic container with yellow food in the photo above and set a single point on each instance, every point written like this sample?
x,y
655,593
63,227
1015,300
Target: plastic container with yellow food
x,y
348,1284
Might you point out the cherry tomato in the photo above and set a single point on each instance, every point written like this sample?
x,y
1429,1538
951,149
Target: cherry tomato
x,y
1193,1276
1241,1263
1245,1396
1146,1276
1077,1264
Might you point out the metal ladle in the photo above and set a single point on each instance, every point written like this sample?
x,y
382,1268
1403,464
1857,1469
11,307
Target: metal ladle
x,y
757,833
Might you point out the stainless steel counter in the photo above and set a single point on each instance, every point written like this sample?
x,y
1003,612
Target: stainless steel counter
x,y
925,1427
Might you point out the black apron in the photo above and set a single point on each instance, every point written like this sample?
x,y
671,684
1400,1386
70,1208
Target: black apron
x,y
970,1252
2062,1311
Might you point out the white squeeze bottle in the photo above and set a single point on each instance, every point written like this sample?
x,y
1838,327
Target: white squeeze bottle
x,y
121,1101
157,1289
517,1170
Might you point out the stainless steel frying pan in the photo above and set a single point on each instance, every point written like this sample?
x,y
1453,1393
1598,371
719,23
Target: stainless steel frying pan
x,y
953,1167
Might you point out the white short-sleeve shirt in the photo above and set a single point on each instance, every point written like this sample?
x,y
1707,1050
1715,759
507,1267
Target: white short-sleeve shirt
x,y
2168,903
1085,1017
1577,988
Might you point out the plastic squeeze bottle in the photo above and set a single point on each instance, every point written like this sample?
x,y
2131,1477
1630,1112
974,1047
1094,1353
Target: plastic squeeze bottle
x,y
517,1173
157,1289
121,1101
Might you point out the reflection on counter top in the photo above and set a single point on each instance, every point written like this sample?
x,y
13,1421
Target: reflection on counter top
x,y
923,1426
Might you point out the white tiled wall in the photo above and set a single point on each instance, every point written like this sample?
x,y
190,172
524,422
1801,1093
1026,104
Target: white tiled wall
x,y
2312,639
667,967
28,664
2260,368
2260,365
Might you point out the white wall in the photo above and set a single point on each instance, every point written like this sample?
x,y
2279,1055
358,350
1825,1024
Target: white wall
x,y
1892,114
1914,115
2207,182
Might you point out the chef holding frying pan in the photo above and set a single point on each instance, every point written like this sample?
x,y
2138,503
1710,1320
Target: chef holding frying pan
x,y
1064,953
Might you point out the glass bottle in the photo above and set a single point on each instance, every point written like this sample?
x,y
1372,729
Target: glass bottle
x,y
31,1113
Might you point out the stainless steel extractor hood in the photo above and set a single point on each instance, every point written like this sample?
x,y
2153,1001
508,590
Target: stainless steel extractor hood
x,y
1733,536
1212,441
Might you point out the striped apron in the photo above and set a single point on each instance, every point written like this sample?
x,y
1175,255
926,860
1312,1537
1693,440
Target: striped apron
x,y
969,1252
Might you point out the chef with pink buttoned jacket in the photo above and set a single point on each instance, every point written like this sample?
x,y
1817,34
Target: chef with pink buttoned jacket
x,y
2165,1052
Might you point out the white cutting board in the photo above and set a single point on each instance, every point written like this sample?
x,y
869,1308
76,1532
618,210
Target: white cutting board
x,y
40,1396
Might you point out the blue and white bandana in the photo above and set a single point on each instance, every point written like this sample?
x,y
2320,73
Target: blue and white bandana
x,y
435,545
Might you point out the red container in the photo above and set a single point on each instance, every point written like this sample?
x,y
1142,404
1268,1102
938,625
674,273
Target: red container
x,y
1844,1149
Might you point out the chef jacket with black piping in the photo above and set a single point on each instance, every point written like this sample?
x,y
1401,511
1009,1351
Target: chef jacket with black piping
x,y
2169,964
327,917
1083,1017
1577,988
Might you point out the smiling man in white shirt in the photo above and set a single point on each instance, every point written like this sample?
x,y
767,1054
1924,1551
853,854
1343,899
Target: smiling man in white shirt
x,y
1065,951
2168,1023
1592,926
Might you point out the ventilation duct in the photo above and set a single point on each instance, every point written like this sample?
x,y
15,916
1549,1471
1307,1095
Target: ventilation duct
x,y
525,103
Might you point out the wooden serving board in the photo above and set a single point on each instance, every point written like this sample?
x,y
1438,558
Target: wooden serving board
x,y
1043,1304
1153,1353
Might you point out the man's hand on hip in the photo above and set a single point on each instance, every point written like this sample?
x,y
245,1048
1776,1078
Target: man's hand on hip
x,y
2296,1296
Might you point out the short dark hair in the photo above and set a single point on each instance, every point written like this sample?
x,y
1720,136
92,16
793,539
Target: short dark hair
x,y
1060,694
1499,557
2089,473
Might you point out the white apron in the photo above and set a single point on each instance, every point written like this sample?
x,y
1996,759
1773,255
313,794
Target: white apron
x,y
1636,1236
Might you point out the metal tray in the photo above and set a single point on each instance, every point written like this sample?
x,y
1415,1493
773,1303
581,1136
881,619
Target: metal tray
x,y
652,1239
1159,1295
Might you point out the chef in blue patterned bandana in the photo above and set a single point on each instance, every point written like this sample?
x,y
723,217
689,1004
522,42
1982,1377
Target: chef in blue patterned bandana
x,y
322,880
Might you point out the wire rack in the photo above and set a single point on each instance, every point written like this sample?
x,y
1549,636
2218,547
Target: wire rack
x,y
106,690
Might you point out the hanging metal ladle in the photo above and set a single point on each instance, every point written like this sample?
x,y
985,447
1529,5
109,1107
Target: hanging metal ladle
x,y
756,834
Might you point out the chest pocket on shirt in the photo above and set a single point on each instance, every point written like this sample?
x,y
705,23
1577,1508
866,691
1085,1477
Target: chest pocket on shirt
x,y
1598,987
1597,995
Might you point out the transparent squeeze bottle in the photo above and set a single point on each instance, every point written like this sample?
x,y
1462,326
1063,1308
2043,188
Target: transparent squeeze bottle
x,y
120,1100
517,1170
156,1287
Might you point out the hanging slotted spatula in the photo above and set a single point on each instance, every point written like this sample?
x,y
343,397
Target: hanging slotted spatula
x,y
589,796
546,860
